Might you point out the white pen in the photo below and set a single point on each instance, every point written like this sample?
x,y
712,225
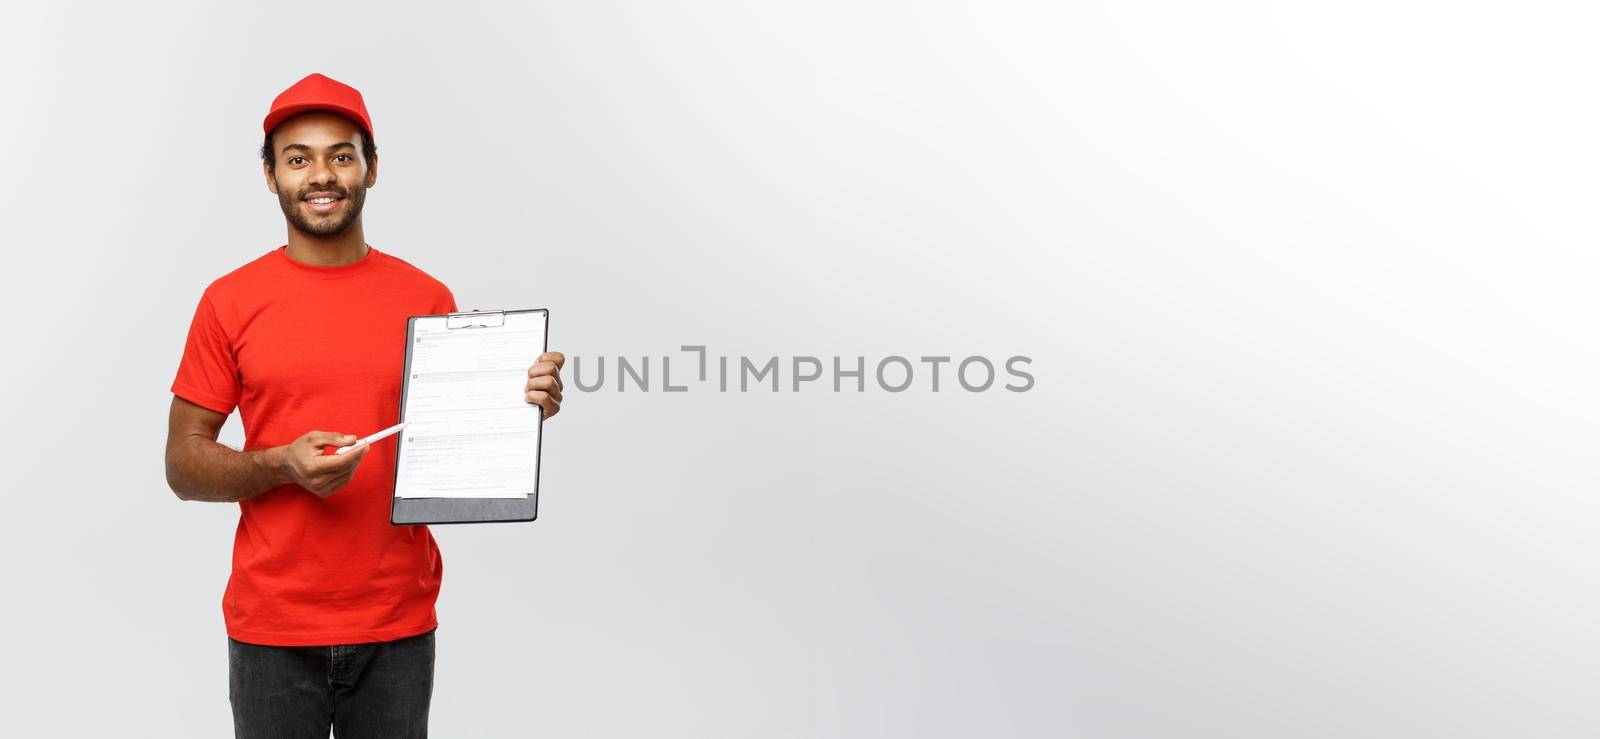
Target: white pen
x,y
384,434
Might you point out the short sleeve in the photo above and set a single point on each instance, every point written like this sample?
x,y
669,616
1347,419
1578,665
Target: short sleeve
x,y
208,374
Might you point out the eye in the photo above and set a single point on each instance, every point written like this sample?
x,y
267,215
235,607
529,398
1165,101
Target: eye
x,y
342,158
297,159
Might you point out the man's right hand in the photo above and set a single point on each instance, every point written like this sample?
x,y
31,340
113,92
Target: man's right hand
x,y
304,462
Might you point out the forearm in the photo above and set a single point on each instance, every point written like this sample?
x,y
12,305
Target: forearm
x,y
201,469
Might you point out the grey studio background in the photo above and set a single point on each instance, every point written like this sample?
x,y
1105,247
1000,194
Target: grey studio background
x,y
1308,289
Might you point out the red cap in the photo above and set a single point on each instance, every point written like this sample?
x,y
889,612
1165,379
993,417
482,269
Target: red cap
x,y
317,92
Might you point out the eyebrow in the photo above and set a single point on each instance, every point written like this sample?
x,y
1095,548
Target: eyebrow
x,y
303,147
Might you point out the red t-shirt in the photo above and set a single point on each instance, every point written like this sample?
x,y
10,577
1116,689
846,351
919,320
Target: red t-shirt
x,y
298,348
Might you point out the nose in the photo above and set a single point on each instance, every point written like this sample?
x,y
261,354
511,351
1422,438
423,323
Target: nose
x,y
319,173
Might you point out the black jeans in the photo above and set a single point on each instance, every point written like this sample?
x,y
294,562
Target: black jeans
x,y
358,690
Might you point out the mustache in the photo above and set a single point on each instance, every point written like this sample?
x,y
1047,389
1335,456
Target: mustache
x,y
335,189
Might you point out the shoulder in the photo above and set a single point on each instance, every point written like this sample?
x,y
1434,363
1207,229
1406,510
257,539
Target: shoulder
x,y
410,272
239,284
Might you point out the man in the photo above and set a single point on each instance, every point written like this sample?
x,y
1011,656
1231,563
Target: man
x,y
330,608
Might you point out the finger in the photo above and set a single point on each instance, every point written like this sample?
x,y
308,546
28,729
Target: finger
x,y
353,457
333,461
544,400
324,489
556,358
334,479
545,382
322,485
544,369
329,443
319,438
342,480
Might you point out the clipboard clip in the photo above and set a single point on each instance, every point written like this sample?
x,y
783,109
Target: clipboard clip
x,y
475,319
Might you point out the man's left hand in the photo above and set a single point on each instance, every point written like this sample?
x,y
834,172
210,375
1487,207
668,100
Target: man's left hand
x,y
544,382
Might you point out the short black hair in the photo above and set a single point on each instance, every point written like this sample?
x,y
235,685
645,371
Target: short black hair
x,y
369,149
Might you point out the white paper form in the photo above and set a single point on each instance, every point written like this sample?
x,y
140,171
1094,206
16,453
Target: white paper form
x,y
472,432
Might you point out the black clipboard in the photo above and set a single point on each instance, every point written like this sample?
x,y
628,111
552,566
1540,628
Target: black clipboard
x,y
415,511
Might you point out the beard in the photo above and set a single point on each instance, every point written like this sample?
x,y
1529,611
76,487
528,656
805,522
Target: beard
x,y
332,225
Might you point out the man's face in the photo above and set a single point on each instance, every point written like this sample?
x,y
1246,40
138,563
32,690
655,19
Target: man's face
x,y
320,175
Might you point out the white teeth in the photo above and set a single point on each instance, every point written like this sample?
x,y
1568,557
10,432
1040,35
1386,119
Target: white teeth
x,y
322,201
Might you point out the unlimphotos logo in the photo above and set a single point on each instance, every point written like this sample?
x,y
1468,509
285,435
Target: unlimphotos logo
x,y
893,373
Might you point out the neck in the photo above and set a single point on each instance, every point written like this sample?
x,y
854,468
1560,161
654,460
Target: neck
x,y
346,247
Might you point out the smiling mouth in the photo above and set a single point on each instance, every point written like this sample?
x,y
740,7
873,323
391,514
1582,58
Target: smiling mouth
x,y
323,203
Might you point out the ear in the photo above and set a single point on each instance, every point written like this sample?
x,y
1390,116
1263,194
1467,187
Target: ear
x,y
272,180
372,171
